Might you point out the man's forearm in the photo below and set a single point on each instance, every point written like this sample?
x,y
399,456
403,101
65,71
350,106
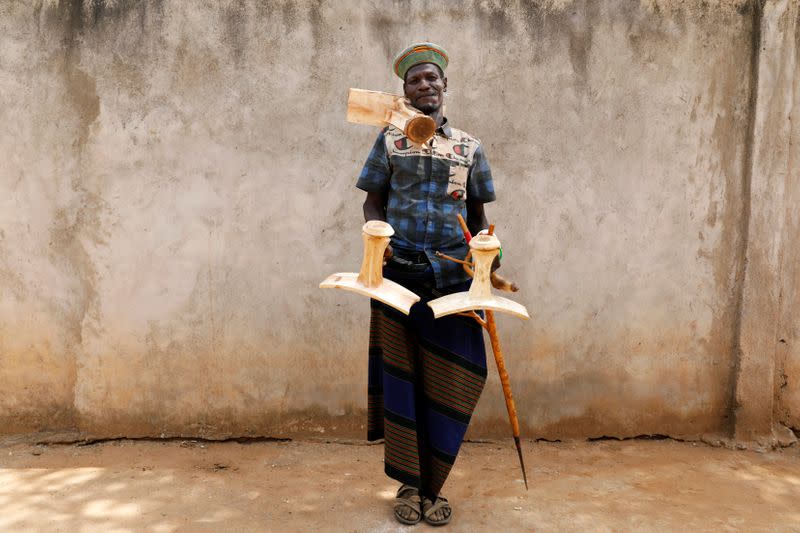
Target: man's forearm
x,y
476,221
375,207
371,213
477,224
476,217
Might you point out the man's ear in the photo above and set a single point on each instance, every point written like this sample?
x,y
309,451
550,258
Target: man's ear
x,y
445,83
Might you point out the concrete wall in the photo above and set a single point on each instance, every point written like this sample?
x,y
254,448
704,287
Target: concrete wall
x,y
768,382
177,178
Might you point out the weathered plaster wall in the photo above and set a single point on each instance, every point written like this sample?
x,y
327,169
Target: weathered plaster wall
x,y
177,177
769,373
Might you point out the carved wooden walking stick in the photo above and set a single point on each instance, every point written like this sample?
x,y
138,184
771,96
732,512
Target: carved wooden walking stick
x,y
494,338
485,248
369,281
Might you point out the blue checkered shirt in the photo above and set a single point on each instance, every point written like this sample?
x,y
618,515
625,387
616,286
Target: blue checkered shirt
x,y
427,186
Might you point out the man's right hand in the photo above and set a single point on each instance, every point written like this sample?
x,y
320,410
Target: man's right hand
x,y
387,254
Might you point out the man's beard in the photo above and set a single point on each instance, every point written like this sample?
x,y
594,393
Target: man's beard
x,y
427,109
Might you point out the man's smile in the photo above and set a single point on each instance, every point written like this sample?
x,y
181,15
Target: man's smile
x,y
424,86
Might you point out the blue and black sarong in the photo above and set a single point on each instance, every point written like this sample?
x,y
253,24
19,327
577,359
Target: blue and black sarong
x,y
425,378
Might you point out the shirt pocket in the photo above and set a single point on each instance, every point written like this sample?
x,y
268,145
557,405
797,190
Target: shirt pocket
x,y
457,182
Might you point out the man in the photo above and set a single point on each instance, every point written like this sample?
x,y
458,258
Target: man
x,y
425,375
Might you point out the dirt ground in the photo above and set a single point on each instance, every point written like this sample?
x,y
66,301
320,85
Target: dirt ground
x,y
162,486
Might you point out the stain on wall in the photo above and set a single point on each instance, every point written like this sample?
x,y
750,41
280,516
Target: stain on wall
x,y
180,178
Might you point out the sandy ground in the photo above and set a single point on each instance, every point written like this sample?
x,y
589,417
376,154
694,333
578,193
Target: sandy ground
x,y
635,485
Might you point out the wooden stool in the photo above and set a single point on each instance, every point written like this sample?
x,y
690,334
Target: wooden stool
x,y
484,248
376,108
369,281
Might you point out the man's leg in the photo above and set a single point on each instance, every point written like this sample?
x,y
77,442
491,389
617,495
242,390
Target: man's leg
x,y
453,370
393,382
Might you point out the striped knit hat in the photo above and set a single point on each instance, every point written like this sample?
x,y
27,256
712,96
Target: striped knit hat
x,y
419,53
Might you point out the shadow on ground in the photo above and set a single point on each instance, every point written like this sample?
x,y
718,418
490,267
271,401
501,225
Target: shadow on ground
x,y
294,486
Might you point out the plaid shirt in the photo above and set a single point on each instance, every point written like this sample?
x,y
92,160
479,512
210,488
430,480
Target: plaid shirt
x,y
426,187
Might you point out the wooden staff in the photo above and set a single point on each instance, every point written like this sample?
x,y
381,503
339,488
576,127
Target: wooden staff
x,y
490,326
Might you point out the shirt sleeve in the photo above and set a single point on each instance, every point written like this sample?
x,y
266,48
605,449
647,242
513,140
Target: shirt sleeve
x,y
377,170
479,180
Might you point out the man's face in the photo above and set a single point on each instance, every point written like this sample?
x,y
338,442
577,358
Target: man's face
x,y
424,87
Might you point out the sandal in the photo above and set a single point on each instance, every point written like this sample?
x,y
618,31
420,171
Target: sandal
x,y
407,498
429,508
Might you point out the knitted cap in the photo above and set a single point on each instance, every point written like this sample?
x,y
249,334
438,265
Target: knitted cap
x,y
419,53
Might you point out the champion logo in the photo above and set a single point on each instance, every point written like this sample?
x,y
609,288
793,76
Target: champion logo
x,y
461,149
402,144
458,194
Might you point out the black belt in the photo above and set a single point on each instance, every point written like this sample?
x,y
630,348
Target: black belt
x,y
414,261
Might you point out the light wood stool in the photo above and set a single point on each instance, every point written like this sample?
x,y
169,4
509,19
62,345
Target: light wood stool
x,y
376,108
369,281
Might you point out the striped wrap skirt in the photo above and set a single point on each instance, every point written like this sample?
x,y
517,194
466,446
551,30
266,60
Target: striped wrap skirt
x,y
425,378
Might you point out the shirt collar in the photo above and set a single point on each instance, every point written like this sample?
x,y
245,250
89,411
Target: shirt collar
x,y
444,129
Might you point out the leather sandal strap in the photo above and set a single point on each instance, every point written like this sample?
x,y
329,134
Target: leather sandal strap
x,y
406,488
412,502
438,504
